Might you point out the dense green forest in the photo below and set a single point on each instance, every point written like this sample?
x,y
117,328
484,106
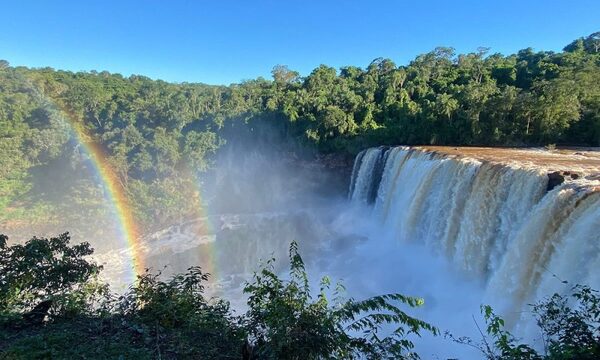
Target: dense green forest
x,y
157,136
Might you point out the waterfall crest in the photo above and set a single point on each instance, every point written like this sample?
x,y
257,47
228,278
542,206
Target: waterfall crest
x,y
497,221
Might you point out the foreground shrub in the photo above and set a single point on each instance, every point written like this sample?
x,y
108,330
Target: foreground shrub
x,y
178,320
286,322
569,325
52,306
47,277
173,319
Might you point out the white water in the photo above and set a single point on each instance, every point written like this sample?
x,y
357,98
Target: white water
x,y
495,222
457,232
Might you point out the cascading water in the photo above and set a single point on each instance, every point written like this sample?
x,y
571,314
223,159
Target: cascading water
x,y
366,175
496,221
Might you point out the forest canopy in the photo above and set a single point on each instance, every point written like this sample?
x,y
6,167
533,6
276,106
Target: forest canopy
x,y
154,134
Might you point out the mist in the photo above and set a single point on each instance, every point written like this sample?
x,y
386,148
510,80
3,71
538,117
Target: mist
x,y
260,198
390,221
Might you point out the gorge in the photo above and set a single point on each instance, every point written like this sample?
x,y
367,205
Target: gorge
x,y
281,181
460,227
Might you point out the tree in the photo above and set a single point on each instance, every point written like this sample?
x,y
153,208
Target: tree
x,y
554,109
282,75
42,270
149,130
590,44
197,146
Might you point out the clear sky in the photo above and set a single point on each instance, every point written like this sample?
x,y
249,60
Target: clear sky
x,y
224,41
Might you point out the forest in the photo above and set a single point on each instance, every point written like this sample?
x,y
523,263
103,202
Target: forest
x,y
157,136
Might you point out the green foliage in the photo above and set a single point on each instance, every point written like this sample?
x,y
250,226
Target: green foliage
x,y
78,338
151,131
285,322
153,319
505,345
46,270
173,319
197,147
570,328
181,322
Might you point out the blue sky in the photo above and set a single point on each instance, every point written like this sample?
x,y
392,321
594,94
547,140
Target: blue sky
x,y
224,41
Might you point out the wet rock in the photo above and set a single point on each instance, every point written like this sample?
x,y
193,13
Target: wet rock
x,y
554,179
558,177
593,177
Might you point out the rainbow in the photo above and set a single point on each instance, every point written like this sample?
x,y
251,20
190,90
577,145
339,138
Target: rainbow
x,y
115,193
209,259
114,190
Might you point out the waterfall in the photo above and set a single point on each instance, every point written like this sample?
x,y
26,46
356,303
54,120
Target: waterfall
x,y
366,175
497,221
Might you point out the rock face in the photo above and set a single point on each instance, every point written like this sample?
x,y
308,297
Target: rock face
x,y
556,178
